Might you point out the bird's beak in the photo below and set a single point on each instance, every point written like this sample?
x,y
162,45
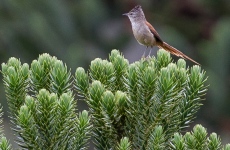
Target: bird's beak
x,y
126,14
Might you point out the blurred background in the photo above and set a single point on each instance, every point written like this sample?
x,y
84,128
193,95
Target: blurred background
x,y
78,31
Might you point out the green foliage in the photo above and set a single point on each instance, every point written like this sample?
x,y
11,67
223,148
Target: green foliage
x,y
1,120
157,139
46,121
83,130
40,72
159,99
227,147
105,98
124,144
49,73
4,144
47,118
197,139
16,81
143,105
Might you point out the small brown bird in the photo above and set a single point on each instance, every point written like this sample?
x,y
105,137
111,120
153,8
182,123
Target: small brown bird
x,y
146,35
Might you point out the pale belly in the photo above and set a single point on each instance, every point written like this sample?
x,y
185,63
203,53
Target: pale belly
x,y
144,37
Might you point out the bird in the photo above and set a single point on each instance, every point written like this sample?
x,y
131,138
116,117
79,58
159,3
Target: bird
x,y
146,34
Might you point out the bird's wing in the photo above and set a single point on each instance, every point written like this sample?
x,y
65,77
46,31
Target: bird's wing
x,y
154,32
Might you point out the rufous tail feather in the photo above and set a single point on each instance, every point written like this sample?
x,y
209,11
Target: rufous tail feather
x,y
175,51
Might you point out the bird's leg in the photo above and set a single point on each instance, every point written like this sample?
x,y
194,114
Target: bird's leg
x,y
143,56
150,52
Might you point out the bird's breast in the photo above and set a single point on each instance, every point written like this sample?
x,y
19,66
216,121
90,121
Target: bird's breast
x,y
143,35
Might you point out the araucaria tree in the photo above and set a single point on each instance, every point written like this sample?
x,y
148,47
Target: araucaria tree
x,y
144,105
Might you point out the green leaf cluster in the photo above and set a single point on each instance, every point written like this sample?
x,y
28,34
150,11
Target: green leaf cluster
x,y
143,105
106,98
4,143
135,100
197,139
42,105
16,81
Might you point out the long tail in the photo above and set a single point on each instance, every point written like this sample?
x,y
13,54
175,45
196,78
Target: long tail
x,y
175,51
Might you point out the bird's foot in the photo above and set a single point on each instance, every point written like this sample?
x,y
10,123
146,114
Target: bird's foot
x,y
143,56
